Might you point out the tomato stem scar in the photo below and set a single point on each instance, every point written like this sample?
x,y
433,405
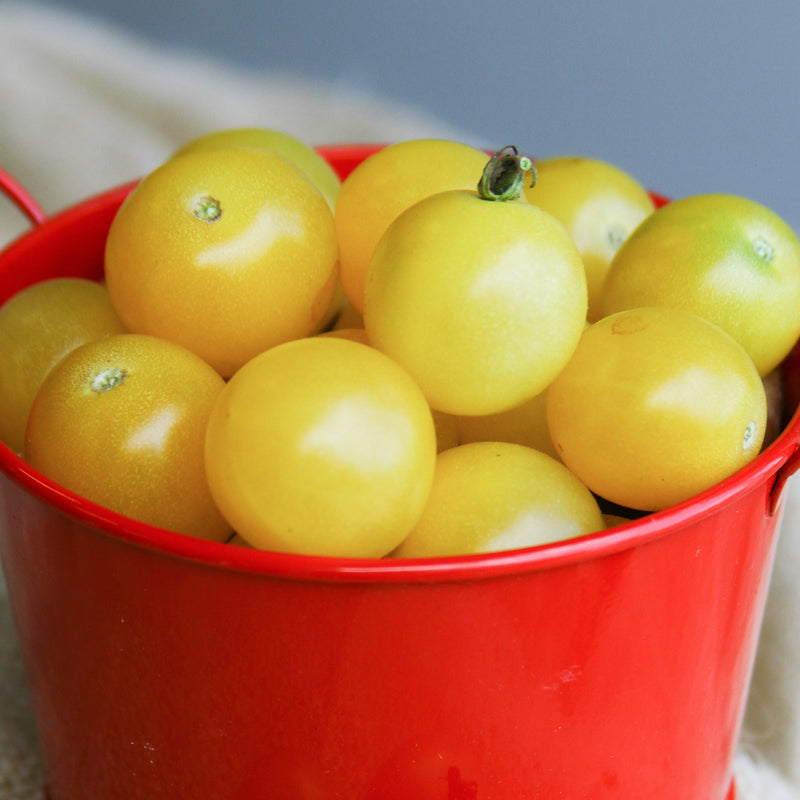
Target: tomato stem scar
x,y
108,379
763,249
504,175
207,209
749,435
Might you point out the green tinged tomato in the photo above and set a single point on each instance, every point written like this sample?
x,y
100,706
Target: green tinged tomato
x,y
725,258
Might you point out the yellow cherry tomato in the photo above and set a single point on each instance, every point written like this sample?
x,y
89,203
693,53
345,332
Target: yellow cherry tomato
x,y
524,424
321,446
655,406
284,144
38,327
481,301
385,184
725,258
490,496
444,424
226,251
121,421
600,205
301,154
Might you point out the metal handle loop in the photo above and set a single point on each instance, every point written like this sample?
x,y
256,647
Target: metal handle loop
x,y
21,198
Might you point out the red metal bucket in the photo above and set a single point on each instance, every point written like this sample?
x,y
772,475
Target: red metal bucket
x,y
160,666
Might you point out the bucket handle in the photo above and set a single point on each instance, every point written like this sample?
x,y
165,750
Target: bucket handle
x,y
790,466
21,198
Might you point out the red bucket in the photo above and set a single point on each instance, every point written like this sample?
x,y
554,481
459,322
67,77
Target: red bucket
x,y
615,665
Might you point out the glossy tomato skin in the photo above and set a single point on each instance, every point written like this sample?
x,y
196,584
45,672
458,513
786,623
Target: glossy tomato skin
x,y
599,204
726,258
322,446
38,327
490,496
482,302
384,185
121,421
655,406
525,424
225,251
284,144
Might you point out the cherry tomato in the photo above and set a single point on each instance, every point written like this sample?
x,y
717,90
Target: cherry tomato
x,y
725,258
655,406
226,251
122,421
481,301
599,204
490,496
284,144
321,446
302,155
385,184
524,424
38,326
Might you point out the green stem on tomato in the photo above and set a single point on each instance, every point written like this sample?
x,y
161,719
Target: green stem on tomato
x,y
504,175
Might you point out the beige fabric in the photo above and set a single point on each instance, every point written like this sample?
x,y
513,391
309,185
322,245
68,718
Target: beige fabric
x,y
85,108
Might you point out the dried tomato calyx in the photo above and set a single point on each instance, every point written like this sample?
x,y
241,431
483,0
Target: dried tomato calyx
x,y
504,175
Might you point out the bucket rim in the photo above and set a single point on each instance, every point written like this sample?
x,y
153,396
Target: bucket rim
x,y
762,469
386,570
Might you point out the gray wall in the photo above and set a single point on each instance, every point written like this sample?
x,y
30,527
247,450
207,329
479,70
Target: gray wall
x,y
690,96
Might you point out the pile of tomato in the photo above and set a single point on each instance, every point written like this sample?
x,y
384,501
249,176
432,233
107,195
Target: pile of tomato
x,y
444,353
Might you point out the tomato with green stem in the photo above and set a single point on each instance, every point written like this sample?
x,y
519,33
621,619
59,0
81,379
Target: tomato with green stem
x,y
479,294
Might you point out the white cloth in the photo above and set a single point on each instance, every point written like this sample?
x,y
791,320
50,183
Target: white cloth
x,y
85,108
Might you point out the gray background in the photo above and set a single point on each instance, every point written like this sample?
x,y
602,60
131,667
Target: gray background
x,y
689,97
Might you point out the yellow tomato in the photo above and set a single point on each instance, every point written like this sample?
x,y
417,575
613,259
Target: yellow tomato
x,y
524,424
385,184
321,446
226,251
655,406
122,421
490,496
38,327
481,301
284,144
725,258
600,205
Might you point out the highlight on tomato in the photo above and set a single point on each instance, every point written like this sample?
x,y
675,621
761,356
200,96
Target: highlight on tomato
x,y
225,251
